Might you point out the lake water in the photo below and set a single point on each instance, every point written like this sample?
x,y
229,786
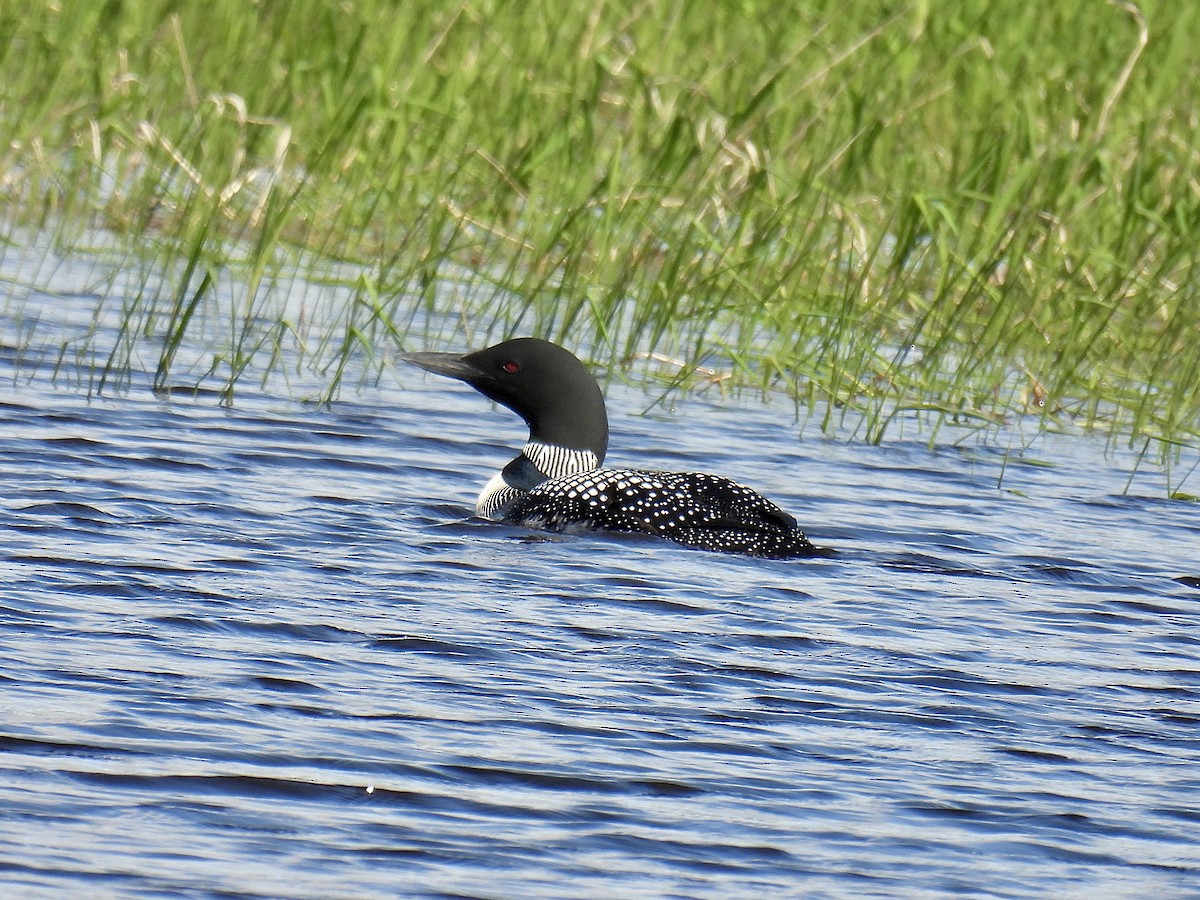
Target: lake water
x,y
265,651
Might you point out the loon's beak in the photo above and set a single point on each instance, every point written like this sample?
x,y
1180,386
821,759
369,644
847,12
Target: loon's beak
x,y
449,364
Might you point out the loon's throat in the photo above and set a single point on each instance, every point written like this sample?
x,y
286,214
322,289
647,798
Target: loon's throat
x,y
554,462
522,475
537,462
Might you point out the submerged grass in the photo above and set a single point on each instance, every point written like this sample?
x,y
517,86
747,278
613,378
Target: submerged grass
x,y
976,210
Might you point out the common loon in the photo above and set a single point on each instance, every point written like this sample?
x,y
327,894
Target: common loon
x,y
556,483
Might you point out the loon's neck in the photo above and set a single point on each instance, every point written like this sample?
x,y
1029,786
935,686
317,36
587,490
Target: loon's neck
x,y
552,461
536,463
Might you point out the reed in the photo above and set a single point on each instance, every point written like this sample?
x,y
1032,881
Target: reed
x,y
978,211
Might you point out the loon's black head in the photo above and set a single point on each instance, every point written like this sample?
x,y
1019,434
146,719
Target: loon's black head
x,y
541,382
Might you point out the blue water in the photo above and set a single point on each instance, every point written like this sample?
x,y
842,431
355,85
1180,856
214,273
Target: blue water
x,y
265,651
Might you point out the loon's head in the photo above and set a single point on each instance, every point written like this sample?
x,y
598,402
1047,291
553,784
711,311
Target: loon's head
x,y
541,382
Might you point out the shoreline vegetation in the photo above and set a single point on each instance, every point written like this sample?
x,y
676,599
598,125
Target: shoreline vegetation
x,y
978,211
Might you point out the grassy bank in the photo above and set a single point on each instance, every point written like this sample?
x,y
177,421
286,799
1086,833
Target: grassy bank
x,y
982,209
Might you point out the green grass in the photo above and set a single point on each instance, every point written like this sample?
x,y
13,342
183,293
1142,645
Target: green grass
x,y
979,210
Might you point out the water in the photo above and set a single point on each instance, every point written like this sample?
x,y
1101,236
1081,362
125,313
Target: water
x,y
264,651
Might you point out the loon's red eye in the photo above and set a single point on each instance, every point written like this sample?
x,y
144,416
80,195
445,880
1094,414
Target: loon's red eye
x,y
510,367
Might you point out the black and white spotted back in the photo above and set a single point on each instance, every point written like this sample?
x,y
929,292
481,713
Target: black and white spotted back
x,y
695,509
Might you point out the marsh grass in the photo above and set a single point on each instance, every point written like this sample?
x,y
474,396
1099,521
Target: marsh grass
x,y
977,211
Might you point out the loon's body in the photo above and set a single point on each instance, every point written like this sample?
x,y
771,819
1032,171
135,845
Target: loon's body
x,y
557,483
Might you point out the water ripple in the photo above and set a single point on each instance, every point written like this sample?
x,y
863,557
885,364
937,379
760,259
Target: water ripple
x,y
266,651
